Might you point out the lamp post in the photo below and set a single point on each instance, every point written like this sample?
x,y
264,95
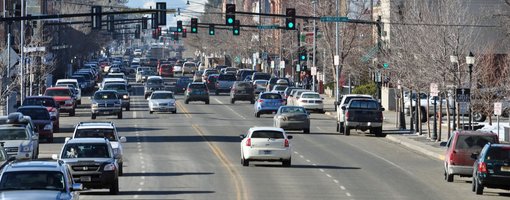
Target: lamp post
x,y
470,60
455,61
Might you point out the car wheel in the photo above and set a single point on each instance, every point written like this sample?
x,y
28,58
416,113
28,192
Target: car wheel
x,y
150,112
128,108
245,162
93,116
257,114
216,92
72,113
78,102
186,101
175,111
478,188
448,177
252,101
119,115
347,131
478,117
56,129
232,101
121,169
286,163
340,127
50,140
306,130
114,189
321,111
473,188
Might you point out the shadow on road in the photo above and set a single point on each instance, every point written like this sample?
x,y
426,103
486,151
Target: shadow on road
x,y
166,173
185,138
307,166
133,129
154,192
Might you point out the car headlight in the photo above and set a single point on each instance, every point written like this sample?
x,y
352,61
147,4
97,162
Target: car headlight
x,y
117,103
109,167
125,96
53,113
94,105
48,127
25,148
171,103
284,118
68,102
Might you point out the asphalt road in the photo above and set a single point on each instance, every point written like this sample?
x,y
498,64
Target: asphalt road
x,y
195,154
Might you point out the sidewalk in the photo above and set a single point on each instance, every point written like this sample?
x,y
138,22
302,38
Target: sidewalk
x,y
419,143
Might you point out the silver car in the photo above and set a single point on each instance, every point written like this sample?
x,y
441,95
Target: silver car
x,y
162,101
292,118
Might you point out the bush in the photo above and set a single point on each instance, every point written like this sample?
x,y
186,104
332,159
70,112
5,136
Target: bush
x,y
370,89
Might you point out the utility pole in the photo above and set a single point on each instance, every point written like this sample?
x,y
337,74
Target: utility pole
x,y
337,68
314,44
22,44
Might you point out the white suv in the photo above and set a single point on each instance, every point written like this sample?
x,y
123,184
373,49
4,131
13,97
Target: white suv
x,y
340,115
102,130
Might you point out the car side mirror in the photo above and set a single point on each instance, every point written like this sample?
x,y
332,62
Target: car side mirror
x,y
67,139
123,139
77,187
382,109
242,136
54,156
117,156
343,107
35,137
474,156
53,118
289,137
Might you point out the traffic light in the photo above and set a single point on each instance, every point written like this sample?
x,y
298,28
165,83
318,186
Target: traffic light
x,y
154,21
96,17
290,20
183,33
137,31
110,22
302,55
144,23
230,16
237,27
211,29
194,25
179,26
161,6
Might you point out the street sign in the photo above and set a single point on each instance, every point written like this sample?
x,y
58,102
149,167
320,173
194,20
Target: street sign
x,y
463,108
434,90
336,60
272,64
298,68
282,64
314,71
463,95
498,108
334,19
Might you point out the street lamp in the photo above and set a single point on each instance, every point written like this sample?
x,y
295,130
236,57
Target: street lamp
x,y
455,61
470,61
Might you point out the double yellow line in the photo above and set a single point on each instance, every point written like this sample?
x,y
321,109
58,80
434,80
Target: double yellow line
x,y
238,182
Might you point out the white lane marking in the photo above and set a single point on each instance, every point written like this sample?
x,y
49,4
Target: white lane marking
x,y
139,149
142,183
139,189
135,197
143,177
348,194
296,152
141,157
229,108
342,187
143,166
321,170
143,171
314,164
391,163
308,161
336,181
138,143
328,175
301,156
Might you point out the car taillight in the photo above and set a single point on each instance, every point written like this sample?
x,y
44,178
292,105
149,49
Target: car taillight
x,y
189,89
346,115
248,142
482,167
286,144
261,101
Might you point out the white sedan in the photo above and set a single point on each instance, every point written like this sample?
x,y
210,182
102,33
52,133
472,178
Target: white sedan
x,y
311,101
266,144
162,101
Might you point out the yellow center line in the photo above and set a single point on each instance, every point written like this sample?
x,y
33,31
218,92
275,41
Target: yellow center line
x,y
238,182
181,107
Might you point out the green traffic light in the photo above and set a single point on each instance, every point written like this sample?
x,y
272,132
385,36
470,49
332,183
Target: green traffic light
x,y
211,32
386,65
236,32
179,30
230,20
194,30
290,25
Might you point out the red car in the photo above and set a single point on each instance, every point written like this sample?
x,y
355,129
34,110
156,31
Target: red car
x,y
65,98
460,146
51,105
166,70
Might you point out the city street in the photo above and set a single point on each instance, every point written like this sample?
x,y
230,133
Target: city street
x,y
195,154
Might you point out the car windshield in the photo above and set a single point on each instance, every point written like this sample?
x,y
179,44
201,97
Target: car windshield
x,y
148,72
116,87
13,134
162,96
348,99
36,113
271,96
267,134
261,76
105,95
362,104
293,110
473,142
67,83
96,133
212,78
226,77
498,153
184,80
114,76
197,86
155,81
261,83
59,92
189,65
32,180
311,96
39,102
244,86
86,150
280,88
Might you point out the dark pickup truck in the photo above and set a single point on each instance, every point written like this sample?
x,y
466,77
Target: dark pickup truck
x,y
363,114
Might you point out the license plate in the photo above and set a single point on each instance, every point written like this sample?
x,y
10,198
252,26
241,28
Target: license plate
x,y
85,178
106,112
505,168
265,152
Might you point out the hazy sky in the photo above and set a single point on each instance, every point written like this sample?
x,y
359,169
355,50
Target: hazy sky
x,y
195,5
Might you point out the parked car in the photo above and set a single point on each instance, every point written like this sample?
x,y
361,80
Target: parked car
x,y
311,101
92,163
292,118
242,91
64,97
106,130
197,91
162,101
50,104
268,103
38,179
340,114
224,83
460,146
182,84
76,86
363,114
491,168
106,102
41,119
266,144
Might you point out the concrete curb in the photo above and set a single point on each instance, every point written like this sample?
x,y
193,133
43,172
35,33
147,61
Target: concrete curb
x,y
415,147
